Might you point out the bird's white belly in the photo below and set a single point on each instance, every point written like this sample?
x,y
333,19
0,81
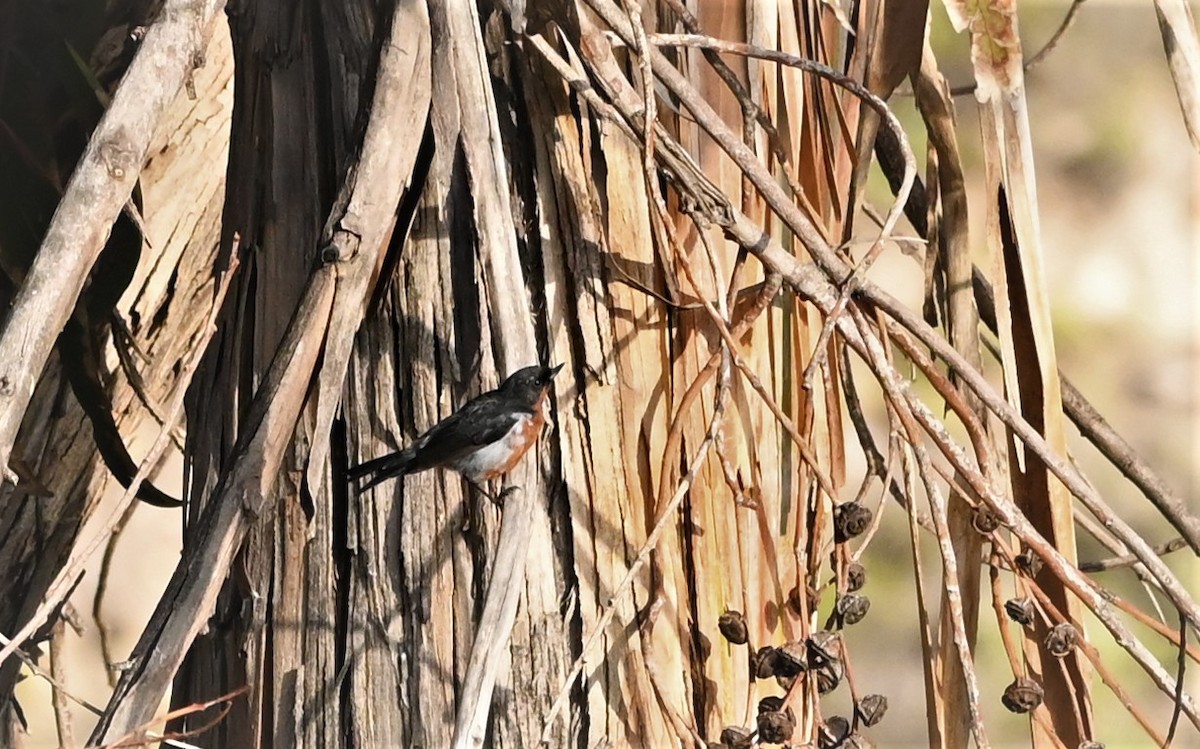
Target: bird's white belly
x,y
486,459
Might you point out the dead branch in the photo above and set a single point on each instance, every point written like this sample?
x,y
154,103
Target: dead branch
x,y
247,489
1096,429
70,572
1128,560
494,629
244,494
101,185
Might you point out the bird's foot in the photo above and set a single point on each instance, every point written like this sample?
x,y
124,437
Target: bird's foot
x,y
496,499
505,493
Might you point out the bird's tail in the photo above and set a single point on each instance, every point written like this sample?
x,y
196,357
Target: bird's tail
x,y
380,469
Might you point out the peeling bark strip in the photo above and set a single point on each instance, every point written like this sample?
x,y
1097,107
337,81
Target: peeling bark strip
x,y
99,188
320,332
247,492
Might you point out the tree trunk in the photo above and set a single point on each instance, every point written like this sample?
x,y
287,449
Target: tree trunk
x,y
164,305
697,280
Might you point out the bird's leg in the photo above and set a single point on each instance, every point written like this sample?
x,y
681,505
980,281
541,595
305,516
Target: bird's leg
x,y
494,500
503,496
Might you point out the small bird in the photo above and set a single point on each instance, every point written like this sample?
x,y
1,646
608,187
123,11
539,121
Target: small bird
x,y
482,440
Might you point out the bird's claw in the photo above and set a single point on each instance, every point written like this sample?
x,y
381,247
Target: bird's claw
x,y
500,499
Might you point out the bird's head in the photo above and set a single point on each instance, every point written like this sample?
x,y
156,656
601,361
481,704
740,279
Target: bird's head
x,y
528,383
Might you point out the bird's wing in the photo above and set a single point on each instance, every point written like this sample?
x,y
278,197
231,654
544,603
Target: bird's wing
x,y
480,422
487,422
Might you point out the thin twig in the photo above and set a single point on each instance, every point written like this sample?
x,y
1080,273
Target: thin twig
x,y
1008,514
140,736
1093,426
1168,633
1011,649
97,192
935,715
56,685
1129,560
684,730
1181,666
750,108
950,575
59,698
73,567
126,346
1042,53
856,277
731,344
110,549
665,518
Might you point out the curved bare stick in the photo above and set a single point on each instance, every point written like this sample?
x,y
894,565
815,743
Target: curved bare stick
x,y
746,231
665,516
95,195
699,41
1093,426
938,509
719,318
68,575
1128,560
1084,491
774,141
809,283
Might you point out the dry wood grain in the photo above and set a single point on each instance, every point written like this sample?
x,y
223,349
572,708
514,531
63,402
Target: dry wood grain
x,y
96,193
246,493
166,302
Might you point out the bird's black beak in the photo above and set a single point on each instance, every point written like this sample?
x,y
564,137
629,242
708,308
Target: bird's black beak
x,y
548,374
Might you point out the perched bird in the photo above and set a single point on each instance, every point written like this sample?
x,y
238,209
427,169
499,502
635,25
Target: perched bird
x,y
482,440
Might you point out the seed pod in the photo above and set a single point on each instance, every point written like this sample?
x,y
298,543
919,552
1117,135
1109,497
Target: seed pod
x,y
775,727
871,709
829,676
984,520
852,607
1029,563
791,659
770,704
764,662
850,519
1022,695
1061,640
857,741
833,732
823,647
733,626
856,576
785,682
1020,610
736,737
1091,745
796,604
